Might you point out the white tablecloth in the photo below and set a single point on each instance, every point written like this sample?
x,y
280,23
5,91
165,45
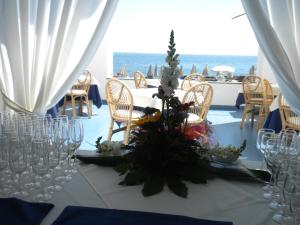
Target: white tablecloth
x,y
96,186
241,203
142,97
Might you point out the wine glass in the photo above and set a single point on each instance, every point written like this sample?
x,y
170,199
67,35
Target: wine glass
x,y
270,154
40,166
18,164
76,137
261,132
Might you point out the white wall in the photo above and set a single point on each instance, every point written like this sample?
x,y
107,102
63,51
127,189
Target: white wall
x,y
263,68
102,64
224,93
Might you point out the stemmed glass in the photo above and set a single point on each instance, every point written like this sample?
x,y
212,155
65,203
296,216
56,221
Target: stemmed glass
x,y
40,165
262,137
54,145
18,164
285,160
76,137
270,153
3,165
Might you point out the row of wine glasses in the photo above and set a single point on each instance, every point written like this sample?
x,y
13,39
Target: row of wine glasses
x,y
36,154
282,158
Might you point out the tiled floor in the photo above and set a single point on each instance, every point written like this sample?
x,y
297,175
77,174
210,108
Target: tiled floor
x,y
225,125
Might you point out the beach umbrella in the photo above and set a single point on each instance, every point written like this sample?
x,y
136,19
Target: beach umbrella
x,y
122,72
150,73
194,69
205,71
155,71
181,71
223,68
161,71
252,70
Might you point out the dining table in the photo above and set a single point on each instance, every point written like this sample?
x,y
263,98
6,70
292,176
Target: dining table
x,y
143,97
273,120
94,97
218,200
240,95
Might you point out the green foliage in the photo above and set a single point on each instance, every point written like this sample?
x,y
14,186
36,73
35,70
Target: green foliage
x,y
172,57
158,157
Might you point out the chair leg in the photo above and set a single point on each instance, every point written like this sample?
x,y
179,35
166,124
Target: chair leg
x,y
260,117
64,106
252,119
126,134
111,127
244,116
89,109
73,106
80,106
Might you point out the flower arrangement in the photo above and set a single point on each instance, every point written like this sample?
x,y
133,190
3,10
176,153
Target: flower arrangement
x,y
164,149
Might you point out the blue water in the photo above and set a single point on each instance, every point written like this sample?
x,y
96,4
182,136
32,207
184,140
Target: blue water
x,y
141,62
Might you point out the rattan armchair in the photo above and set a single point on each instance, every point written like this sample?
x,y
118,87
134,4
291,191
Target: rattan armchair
x,y
120,103
79,92
289,119
201,95
139,80
191,80
257,93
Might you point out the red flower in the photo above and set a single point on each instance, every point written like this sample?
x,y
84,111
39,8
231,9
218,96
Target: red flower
x,y
198,131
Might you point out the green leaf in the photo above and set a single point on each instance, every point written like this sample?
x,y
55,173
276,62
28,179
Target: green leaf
x,y
178,187
152,186
194,175
133,178
121,168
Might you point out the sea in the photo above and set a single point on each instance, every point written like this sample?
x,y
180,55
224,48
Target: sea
x,y
141,62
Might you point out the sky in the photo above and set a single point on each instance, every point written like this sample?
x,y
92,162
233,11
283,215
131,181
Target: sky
x,y
200,27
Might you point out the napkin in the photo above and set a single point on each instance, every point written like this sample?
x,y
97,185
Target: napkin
x,y
14,211
77,215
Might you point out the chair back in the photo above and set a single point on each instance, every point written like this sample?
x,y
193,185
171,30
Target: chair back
x,y
191,80
119,100
83,82
253,88
201,94
268,91
139,80
289,119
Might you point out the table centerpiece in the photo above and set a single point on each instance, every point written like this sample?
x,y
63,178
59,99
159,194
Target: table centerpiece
x,y
164,149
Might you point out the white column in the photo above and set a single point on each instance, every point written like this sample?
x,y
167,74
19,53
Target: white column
x,y
263,68
102,64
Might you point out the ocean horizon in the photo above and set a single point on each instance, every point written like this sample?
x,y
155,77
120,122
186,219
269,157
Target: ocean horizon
x,y
141,61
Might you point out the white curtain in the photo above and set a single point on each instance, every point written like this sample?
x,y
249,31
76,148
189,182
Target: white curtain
x,y
276,24
45,45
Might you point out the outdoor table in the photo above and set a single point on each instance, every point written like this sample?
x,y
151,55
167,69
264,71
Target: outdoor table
x,y
94,96
142,97
219,200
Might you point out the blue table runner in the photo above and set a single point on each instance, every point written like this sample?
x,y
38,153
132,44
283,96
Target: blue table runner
x,y
14,211
77,215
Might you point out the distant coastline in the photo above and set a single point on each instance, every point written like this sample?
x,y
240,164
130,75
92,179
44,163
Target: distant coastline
x,y
141,62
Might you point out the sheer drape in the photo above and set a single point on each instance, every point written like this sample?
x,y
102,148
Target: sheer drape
x,y
277,28
45,45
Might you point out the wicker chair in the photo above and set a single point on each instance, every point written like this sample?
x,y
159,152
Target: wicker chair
x,y
201,95
289,119
191,80
79,92
139,80
257,93
120,102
